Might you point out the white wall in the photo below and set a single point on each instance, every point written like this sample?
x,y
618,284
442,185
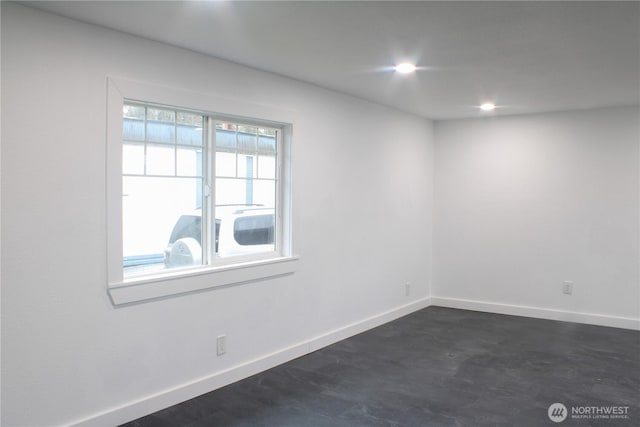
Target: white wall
x,y
67,353
524,203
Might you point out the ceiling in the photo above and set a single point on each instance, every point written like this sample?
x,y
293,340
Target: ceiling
x,y
526,57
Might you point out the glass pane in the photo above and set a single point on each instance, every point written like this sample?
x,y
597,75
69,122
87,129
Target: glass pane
x,y
189,162
248,129
267,132
245,192
161,223
189,119
133,111
161,125
226,126
247,139
232,192
225,164
132,129
226,136
189,135
245,230
264,192
189,129
133,159
133,122
267,144
160,160
247,166
254,229
267,167
161,115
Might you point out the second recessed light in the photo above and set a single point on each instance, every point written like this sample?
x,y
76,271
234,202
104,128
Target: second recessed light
x,y
405,68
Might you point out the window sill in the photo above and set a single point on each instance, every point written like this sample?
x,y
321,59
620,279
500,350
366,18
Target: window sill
x,y
141,289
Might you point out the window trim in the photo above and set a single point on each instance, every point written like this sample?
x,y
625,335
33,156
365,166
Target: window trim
x,y
234,270
192,280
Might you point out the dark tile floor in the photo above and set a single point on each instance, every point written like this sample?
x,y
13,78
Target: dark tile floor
x,y
435,367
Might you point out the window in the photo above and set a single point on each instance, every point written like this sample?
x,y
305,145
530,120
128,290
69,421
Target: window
x,y
162,179
196,189
195,199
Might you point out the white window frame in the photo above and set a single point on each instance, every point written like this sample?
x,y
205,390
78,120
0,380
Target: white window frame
x,y
223,272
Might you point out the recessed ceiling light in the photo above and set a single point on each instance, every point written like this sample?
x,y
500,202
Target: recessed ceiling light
x,y
405,68
488,107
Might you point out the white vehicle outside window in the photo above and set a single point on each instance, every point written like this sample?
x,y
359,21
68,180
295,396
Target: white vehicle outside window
x,y
239,230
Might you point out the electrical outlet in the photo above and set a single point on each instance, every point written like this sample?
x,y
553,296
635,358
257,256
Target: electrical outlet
x,y
222,344
407,289
567,287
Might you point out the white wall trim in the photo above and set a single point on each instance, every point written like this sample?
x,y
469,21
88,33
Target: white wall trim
x,y
234,270
147,288
540,313
180,393
355,328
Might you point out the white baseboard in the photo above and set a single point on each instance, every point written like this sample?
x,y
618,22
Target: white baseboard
x,y
540,313
180,393
166,398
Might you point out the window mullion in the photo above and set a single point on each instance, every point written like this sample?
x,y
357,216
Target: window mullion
x,y
278,237
145,139
175,143
209,179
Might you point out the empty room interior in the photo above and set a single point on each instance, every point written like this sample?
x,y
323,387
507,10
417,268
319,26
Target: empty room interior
x,y
369,213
